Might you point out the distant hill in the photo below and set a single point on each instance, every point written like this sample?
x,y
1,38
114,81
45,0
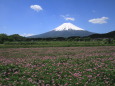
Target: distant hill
x,y
106,35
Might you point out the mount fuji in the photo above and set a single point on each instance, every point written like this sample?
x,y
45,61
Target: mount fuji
x,y
67,26
64,30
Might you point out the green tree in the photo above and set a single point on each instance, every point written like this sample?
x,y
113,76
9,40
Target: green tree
x,y
16,37
3,38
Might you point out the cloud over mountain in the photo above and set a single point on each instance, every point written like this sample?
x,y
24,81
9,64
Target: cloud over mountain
x,y
101,20
67,18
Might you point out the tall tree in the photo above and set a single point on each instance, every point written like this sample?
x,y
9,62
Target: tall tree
x,y
3,38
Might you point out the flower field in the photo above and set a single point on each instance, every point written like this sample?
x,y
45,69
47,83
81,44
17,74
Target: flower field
x,y
58,66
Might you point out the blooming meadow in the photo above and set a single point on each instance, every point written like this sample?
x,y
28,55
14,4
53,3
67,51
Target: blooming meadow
x,y
58,66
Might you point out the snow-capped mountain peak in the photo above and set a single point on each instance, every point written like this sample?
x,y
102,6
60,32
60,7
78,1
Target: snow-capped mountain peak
x,y
64,30
67,26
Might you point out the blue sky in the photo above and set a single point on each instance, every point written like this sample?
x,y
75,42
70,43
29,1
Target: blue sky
x,y
27,17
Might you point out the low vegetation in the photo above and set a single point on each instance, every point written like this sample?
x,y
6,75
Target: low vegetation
x,y
57,66
17,41
73,61
36,44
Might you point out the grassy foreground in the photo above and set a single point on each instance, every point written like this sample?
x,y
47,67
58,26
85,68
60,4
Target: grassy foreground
x,y
35,44
57,66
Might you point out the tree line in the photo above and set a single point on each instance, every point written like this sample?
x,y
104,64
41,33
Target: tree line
x,y
17,37
107,38
10,38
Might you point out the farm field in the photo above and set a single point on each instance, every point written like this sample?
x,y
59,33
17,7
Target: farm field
x,y
38,44
58,66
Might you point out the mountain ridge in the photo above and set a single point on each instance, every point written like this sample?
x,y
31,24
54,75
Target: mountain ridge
x,y
64,30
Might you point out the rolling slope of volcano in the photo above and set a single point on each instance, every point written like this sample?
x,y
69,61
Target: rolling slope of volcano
x,y
64,30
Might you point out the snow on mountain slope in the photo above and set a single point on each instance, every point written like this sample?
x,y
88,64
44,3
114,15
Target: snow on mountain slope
x,y
67,26
64,30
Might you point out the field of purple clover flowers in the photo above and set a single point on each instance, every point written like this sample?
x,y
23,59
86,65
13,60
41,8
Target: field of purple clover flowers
x,y
58,66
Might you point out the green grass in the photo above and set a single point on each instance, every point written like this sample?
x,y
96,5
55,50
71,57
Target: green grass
x,y
53,44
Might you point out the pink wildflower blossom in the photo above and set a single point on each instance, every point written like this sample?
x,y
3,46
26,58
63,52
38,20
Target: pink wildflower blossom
x,y
76,74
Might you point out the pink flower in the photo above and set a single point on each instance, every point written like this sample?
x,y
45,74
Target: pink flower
x,y
7,79
89,70
77,83
47,84
29,79
98,75
76,74
70,79
16,72
66,84
89,76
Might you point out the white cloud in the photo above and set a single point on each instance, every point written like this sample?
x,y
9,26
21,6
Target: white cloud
x,y
36,7
68,18
26,35
101,20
